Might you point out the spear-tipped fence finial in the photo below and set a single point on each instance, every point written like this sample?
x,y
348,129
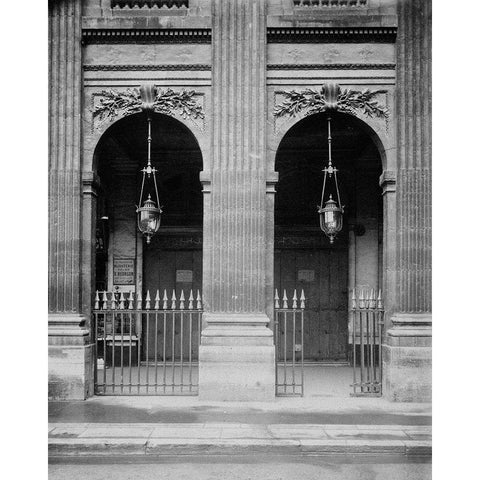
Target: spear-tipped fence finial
x,y
165,300
96,305
182,300
156,306
130,300
302,300
174,301
380,299
139,300
361,299
147,301
371,303
104,298
284,299
190,300
121,305
277,303
294,299
199,300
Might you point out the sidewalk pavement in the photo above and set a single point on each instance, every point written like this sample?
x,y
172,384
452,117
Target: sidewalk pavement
x,y
106,439
161,426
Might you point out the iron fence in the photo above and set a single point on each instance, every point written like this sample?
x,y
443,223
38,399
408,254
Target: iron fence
x,y
145,350
367,334
288,336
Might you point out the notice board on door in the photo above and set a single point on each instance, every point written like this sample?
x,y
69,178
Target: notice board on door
x,y
124,271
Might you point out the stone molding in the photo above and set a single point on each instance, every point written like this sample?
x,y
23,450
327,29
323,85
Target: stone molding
x,y
410,326
145,35
274,35
149,4
332,66
388,181
67,329
142,67
330,4
90,183
206,67
331,34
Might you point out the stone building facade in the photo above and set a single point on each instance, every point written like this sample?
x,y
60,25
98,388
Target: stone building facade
x,y
239,181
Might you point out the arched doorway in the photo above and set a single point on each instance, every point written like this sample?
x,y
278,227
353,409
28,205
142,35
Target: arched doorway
x,y
303,257
170,264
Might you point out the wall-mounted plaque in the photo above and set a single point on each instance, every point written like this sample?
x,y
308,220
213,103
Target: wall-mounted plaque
x,y
124,271
306,275
184,276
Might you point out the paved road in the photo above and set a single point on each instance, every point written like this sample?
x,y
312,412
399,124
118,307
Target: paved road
x,y
245,468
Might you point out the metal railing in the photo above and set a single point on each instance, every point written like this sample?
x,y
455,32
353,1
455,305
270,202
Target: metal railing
x,y
288,336
146,347
367,334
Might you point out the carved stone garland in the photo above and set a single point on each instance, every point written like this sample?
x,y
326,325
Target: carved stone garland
x,y
330,97
130,101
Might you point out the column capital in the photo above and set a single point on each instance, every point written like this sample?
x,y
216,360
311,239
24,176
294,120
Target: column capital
x,y
388,181
271,182
90,183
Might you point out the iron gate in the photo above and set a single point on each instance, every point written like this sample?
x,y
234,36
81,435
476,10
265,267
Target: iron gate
x,y
366,335
142,350
288,336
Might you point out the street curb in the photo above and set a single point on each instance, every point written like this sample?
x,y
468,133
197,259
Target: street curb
x,y
96,447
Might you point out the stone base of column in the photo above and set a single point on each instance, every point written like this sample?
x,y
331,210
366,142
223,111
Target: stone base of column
x,y
407,359
70,361
237,359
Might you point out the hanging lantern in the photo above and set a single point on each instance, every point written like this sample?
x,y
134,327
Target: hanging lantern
x,y
148,214
331,212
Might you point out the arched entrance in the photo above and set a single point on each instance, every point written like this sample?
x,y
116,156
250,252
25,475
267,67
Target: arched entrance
x,y
304,258
129,268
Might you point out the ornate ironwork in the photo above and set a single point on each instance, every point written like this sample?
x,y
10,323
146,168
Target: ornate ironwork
x,y
115,103
330,97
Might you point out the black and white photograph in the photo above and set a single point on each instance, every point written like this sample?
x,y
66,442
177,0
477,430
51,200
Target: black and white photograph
x,y
238,240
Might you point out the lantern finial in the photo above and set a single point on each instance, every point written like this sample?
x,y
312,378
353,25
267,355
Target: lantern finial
x,y
331,213
148,214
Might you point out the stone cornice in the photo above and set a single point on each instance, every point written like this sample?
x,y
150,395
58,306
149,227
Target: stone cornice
x,y
146,35
161,67
274,35
332,66
331,34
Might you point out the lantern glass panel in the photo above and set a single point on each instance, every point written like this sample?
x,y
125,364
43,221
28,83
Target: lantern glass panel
x,y
148,220
331,221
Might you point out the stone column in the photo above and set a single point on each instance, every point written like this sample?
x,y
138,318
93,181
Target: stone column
x,y
236,352
69,352
408,339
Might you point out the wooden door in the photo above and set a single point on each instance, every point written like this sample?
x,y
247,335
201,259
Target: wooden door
x,y
172,270
322,273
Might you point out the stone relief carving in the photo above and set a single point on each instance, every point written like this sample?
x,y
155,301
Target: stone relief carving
x,y
115,103
330,97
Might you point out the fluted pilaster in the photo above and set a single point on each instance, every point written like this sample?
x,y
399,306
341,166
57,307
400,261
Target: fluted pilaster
x,y
237,227
414,156
64,155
